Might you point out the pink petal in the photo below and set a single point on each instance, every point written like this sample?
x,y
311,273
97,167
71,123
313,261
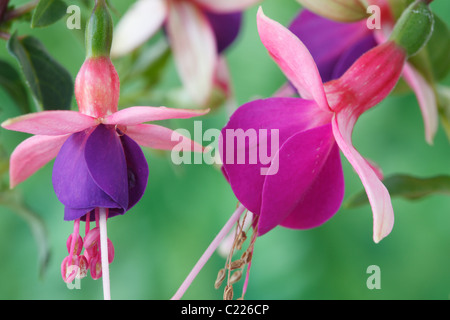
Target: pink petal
x,y
293,58
426,98
31,155
50,123
137,25
226,6
379,198
136,115
194,47
158,137
368,81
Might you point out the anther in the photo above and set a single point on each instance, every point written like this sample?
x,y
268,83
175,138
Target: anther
x,y
228,293
78,244
220,277
236,276
237,264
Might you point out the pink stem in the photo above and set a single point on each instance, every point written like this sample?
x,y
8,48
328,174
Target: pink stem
x,y
208,253
247,276
103,212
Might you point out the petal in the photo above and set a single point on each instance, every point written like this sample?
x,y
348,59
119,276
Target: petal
x,y
379,198
226,28
137,169
324,197
281,117
136,115
327,40
368,81
52,123
71,214
158,137
31,155
194,48
293,58
105,160
137,25
292,173
72,180
225,6
426,98
338,10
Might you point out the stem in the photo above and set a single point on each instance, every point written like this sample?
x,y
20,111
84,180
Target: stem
x,y
104,254
3,7
21,10
208,253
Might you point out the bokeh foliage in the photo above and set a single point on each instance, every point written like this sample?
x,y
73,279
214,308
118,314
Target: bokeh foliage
x,y
158,241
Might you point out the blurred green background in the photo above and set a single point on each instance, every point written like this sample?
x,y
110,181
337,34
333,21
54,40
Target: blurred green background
x,y
184,207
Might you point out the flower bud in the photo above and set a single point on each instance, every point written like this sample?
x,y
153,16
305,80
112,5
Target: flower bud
x,y
97,87
414,27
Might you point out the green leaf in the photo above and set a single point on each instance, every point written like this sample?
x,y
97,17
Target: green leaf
x,y
14,201
48,12
438,48
11,81
407,187
50,83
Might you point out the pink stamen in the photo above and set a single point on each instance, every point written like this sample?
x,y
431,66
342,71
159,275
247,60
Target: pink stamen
x,y
74,237
88,223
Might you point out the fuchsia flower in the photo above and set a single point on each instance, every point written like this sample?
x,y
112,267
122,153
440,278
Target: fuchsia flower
x,y
335,46
304,185
98,161
100,170
308,187
198,32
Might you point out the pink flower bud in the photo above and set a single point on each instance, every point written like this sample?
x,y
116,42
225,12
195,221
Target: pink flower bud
x,y
97,87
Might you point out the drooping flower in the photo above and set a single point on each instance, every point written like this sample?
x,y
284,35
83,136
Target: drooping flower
x,y
100,171
303,186
335,45
198,32
311,131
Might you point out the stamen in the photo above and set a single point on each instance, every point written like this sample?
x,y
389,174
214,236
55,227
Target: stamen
x,y
246,257
220,277
74,238
77,264
236,276
209,251
228,293
88,223
237,264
